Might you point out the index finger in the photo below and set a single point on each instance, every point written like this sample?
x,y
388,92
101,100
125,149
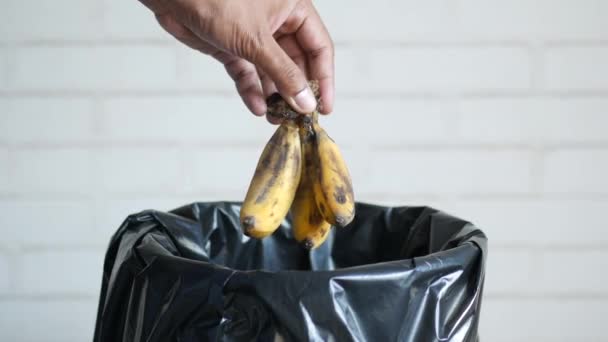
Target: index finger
x,y
313,37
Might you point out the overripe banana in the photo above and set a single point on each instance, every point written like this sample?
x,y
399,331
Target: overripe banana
x,y
309,226
274,183
333,190
300,168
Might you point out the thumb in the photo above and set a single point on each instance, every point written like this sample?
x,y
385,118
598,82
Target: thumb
x,y
287,76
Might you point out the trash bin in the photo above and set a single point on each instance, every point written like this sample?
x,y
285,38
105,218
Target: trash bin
x,y
393,274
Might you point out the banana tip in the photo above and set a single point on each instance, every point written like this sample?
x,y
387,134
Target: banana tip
x,y
248,224
308,244
342,221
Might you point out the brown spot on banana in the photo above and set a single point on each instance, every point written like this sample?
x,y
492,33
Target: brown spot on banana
x,y
278,166
340,195
345,179
315,218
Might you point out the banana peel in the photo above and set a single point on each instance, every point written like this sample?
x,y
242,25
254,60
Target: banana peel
x,y
301,169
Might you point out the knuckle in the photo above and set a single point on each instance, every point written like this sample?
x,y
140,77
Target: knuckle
x,y
250,46
243,75
291,74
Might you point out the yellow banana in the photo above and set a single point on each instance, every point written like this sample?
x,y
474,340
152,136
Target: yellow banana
x,y
309,226
333,190
274,183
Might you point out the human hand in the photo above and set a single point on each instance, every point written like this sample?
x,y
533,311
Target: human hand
x,y
266,46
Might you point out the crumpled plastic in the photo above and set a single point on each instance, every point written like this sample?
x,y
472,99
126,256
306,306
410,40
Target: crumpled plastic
x,y
393,274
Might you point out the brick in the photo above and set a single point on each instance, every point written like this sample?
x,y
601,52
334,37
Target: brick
x,y
95,67
448,69
521,19
509,270
573,271
200,71
576,68
4,170
4,68
198,118
582,171
50,222
394,121
226,171
5,274
50,320
45,119
353,69
452,171
50,19
543,320
59,170
536,222
80,272
131,19
349,20
123,170
538,271
530,120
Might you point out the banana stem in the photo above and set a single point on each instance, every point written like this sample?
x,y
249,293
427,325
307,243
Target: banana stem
x,y
280,109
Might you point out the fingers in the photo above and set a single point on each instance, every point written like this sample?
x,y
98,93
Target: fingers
x,y
290,45
314,39
289,79
247,84
268,86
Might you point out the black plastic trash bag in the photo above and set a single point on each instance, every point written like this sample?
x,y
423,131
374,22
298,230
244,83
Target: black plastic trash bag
x,y
394,274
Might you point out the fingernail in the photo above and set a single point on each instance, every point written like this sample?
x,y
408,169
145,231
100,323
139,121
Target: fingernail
x,y
305,100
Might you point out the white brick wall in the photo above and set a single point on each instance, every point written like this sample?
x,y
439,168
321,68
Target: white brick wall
x,y
96,67
533,120
496,111
5,274
541,19
576,171
41,275
46,222
46,319
32,119
576,68
448,69
4,169
51,170
126,20
50,19
188,119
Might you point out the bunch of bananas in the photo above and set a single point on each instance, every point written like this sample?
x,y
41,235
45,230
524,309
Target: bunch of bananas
x,y
302,169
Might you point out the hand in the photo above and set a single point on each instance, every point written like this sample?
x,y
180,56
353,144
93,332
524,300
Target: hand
x,y
265,45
